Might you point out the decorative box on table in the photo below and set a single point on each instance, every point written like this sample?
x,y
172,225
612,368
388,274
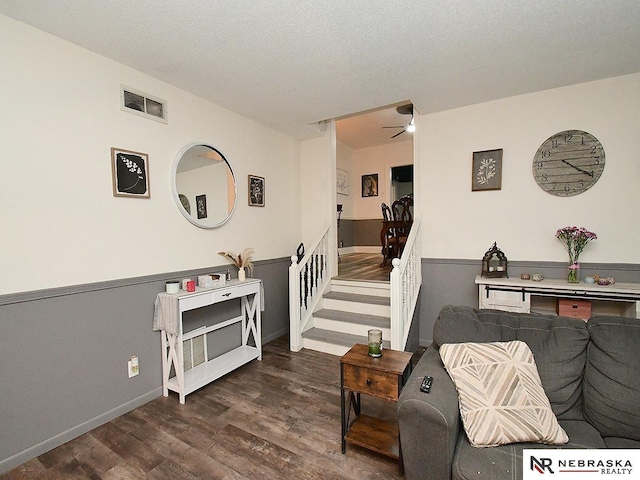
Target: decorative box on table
x,y
569,307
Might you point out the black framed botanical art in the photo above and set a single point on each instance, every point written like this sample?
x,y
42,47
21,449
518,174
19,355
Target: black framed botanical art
x,y
256,191
487,170
201,205
130,173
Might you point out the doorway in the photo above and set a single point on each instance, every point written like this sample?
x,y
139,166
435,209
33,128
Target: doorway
x,y
401,182
374,143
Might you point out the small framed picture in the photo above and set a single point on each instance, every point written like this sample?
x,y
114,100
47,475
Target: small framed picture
x,y
130,173
342,182
487,170
256,191
201,205
370,185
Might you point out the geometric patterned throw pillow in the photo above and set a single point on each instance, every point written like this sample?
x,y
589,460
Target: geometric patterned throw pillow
x,y
500,394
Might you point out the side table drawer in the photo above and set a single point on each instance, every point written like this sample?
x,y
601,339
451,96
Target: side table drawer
x,y
371,382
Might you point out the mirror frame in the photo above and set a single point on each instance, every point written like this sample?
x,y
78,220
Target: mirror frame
x,y
174,186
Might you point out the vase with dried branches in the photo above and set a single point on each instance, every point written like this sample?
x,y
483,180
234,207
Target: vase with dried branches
x,y
242,261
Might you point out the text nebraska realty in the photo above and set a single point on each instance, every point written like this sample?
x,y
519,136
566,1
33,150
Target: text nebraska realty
x,y
607,467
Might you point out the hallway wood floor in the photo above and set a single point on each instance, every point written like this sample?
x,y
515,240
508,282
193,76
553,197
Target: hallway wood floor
x,y
274,419
363,266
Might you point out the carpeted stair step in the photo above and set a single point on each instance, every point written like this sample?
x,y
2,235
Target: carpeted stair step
x,y
357,303
371,321
335,343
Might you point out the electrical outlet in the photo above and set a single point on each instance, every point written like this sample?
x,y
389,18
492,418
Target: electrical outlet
x,y
134,366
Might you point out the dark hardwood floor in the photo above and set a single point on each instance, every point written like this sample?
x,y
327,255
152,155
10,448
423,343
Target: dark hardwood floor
x,y
274,419
363,266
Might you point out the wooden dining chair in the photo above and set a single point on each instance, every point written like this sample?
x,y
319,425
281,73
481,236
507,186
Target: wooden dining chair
x,y
396,225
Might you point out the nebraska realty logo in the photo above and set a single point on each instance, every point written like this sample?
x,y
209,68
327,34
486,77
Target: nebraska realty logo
x,y
560,464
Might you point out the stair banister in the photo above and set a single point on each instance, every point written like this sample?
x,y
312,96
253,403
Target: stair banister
x,y
406,278
308,279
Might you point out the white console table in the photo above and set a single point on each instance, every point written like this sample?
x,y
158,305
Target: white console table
x,y
516,295
169,322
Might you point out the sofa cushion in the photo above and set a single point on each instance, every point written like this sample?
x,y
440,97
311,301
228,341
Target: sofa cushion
x,y
611,387
506,461
617,442
501,398
559,345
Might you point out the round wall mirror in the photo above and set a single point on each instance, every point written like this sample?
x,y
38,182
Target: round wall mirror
x,y
204,186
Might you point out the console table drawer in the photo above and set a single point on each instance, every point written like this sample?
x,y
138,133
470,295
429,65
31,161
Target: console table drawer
x,y
196,301
208,297
235,292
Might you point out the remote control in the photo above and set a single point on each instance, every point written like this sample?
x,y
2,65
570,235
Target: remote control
x,y
426,384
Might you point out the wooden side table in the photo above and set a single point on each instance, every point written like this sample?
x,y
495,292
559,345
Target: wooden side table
x,y
381,377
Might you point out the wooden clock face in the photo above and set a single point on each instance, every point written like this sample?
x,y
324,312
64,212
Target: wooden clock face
x,y
568,163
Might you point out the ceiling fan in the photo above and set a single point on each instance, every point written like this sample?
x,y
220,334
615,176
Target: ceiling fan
x,y
410,127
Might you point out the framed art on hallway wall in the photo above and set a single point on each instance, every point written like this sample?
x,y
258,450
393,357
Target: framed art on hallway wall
x,y
342,182
370,185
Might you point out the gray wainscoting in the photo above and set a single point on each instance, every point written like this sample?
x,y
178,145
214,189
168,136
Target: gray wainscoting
x,y
452,282
64,355
345,233
367,232
64,351
359,232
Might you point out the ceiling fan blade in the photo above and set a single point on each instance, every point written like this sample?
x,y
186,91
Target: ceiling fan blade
x,y
398,134
397,126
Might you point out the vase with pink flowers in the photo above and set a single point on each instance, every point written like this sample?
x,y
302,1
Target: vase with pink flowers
x,y
574,239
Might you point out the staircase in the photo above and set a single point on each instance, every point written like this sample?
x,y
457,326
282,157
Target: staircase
x,y
345,313
331,315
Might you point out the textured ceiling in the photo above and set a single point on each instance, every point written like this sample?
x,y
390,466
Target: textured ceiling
x,y
290,63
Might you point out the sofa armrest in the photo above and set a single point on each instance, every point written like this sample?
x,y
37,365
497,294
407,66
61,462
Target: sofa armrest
x,y
429,422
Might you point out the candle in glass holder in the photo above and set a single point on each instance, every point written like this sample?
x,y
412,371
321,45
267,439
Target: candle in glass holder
x,y
172,286
375,343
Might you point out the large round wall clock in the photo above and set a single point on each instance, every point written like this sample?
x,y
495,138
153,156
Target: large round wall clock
x,y
568,163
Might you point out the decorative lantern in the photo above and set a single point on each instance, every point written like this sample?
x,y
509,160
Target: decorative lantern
x,y
494,263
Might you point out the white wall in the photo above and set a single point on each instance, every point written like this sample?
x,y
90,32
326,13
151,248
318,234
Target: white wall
x,y
521,217
366,161
317,187
61,224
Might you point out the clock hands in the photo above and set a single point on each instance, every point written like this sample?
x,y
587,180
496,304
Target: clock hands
x,y
578,168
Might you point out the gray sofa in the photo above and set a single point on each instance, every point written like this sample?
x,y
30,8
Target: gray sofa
x,y
589,370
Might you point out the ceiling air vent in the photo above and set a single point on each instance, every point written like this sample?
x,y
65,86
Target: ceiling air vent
x,y
142,104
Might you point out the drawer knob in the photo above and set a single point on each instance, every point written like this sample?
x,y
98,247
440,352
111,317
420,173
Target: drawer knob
x,y
368,382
